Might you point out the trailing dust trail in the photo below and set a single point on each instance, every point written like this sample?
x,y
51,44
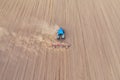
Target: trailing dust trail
x,y
43,32
41,35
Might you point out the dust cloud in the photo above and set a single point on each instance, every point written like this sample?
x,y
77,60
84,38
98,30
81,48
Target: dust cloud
x,y
36,34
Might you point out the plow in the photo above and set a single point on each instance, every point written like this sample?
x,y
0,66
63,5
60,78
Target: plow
x,y
60,45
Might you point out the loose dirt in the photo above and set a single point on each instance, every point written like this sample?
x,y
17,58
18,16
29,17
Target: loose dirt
x,y
28,27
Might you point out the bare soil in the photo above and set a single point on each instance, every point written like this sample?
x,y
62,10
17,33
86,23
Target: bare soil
x,y
28,27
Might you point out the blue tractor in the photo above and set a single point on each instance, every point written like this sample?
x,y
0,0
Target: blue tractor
x,y
60,33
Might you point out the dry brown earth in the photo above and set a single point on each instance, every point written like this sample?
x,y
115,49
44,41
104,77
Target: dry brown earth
x,y
92,27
